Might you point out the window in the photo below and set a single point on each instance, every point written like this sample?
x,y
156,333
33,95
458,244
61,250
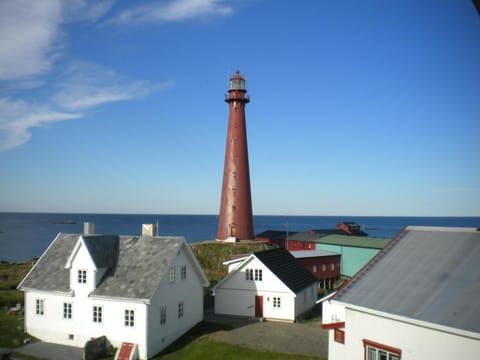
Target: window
x,y
129,319
249,274
39,306
163,315
67,310
258,274
376,351
180,309
82,276
97,314
276,302
332,267
314,269
171,275
184,272
324,267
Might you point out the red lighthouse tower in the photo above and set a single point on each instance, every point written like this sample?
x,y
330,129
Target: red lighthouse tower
x,y
235,218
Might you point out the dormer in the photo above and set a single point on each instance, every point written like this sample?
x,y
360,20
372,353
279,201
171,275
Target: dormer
x,y
91,258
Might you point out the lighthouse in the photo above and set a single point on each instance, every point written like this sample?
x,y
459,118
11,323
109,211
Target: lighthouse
x,y
235,219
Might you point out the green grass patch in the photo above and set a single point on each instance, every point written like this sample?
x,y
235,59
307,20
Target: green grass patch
x,y
11,329
9,298
204,348
12,273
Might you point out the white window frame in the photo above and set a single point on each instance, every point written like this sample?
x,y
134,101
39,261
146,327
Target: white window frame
x,y
374,350
184,272
180,309
82,276
163,315
97,314
276,302
67,310
258,275
129,318
171,275
40,307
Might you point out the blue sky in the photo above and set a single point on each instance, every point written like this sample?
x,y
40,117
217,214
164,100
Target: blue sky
x,y
357,107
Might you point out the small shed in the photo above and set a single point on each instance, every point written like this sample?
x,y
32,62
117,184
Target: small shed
x,y
269,284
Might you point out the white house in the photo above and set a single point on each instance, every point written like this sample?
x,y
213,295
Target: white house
x,y
417,299
144,290
269,284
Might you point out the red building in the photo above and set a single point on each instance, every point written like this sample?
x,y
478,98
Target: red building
x,y
324,265
235,221
297,241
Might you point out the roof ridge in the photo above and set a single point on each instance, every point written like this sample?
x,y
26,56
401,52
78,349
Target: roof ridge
x,y
372,261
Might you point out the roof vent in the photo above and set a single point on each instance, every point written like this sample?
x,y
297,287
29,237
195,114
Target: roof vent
x,y
88,228
149,230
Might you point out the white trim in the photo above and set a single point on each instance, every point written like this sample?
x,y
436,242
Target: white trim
x,y
72,256
196,265
440,228
231,273
412,321
327,297
40,258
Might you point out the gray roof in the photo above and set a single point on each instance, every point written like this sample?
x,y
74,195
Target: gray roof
x,y
103,249
312,253
141,263
49,273
425,273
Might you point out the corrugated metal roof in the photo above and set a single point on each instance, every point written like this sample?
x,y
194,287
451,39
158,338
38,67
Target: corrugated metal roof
x,y
354,241
312,253
426,273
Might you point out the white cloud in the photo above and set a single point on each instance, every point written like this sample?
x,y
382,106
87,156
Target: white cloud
x,y
29,35
81,87
17,118
86,10
85,85
32,38
175,10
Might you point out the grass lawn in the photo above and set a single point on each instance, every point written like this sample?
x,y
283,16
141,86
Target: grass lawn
x,y
203,348
11,329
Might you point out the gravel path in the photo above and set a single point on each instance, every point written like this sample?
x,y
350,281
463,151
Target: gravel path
x,y
297,338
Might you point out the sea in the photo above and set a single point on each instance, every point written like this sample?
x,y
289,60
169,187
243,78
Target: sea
x,y
27,235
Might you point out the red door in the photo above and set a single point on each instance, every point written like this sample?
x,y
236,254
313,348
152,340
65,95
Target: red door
x,y
258,306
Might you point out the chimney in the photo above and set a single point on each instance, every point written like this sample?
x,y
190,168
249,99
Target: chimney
x,y
88,228
149,229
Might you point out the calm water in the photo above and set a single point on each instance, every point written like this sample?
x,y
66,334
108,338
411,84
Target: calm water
x,y
23,236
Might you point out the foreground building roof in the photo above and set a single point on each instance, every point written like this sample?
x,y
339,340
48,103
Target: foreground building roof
x,y
425,273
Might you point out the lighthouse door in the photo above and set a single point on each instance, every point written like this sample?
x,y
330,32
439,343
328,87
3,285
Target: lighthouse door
x,y
258,306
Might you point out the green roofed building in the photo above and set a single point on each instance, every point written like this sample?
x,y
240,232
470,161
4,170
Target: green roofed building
x,y
355,251
347,239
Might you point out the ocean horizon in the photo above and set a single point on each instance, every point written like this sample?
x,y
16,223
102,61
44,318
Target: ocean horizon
x,y
27,235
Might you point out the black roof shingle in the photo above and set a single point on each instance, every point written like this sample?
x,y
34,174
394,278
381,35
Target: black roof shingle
x,y
284,265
